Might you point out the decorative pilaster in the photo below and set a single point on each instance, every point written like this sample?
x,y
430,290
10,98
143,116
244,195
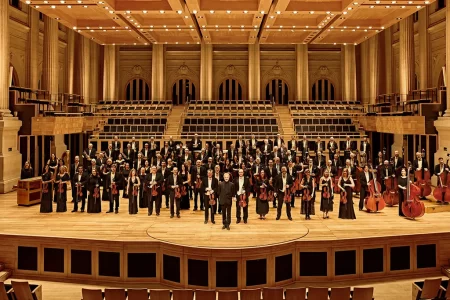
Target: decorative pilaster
x,y
254,72
158,68
424,48
373,68
206,62
109,72
82,70
70,61
406,57
50,68
365,81
301,53
10,157
349,72
388,59
447,58
32,71
94,67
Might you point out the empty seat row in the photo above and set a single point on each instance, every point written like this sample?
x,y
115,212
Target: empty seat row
x,y
312,293
325,128
328,121
134,128
237,121
230,129
20,290
131,102
138,121
132,113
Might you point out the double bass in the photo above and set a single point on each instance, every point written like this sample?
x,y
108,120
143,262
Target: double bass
x,y
412,207
390,195
374,202
442,192
423,180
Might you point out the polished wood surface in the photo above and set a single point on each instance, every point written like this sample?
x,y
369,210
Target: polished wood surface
x,y
29,191
190,230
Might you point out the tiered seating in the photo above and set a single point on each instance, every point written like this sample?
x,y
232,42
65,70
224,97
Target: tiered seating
x,y
134,126
134,108
337,127
227,107
20,290
312,293
430,289
306,108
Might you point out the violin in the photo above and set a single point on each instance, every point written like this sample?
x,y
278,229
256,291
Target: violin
x,y
183,191
326,192
212,200
343,199
298,181
79,190
243,200
306,195
154,190
412,207
287,197
198,183
96,192
263,193
113,189
177,193
374,202
135,190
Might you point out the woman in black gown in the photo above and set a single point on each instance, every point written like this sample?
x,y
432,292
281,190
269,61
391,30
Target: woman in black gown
x,y
326,203
402,186
61,189
105,171
27,171
93,187
47,191
262,206
53,163
125,174
346,210
308,184
133,181
143,201
186,177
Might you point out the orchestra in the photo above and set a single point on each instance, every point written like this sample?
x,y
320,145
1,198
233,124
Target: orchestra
x,y
259,172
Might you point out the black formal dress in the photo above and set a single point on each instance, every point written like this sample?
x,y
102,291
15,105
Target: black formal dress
x,y
326,203
308,206
346,211
133,199
47,191
94,201
262,206
26,173
402,181
143,197
125,174
61,192
185,202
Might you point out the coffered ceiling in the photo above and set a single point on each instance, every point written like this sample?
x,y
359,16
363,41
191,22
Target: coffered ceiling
x,y
228,21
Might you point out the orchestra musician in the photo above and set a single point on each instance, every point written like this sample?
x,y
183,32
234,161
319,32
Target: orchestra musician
x,y
171,144
278,141
165,151
173,183
271,172
262,187
93,166
53,163
365,179
47,191
89,153
116,147
304,148
153,148
293,146
439,169
402,185
292,171
319,161
93,187
308,186
79,181
319,145
109,153
253,144
134,144
277,165
332,147
139,162
266,149
420,163
157,162
226,193
186,177
398,163
282,185
101,160
364,148
73,171
128,155
133,183
349,147
196,143
346,184
143,197
379,160
146,155
242,187
209,188
61,180
337,163
326,199
219,176
385,172
240,143
126,174
197,172
113,181
154,182
165,172
187,156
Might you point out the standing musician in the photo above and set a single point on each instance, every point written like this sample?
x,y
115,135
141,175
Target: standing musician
x,y
293,146
364,148
139,162
109,153
209,188
271,172
134,144
79,188
208,152
379,160
196,143
290,156
227,193
158,161
266,149
210,165
73,171
277,165
174,182
171,143
153,148
332,170
398,163
402,186
282,185
319,161
89,153
165,152
304,148
197,172
242,187
292,171
253,142
319,145
337,163
187,156
154,182
128,155
165,172
365,179
349,147
116,147
385,172
332,147
240,143
278,141
308,185
420,163
219,176
326,199
113,179
439,169
146,155
202,156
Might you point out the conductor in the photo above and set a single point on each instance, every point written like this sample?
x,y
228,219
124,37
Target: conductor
x,y
226,193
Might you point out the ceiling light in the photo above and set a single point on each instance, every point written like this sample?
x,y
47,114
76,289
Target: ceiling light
x,y
27,2
344,12
69,6
79,1
85,6
311,12
278,12
161,11
62,1
393,2
271,17
377,2
372,6
355,3
211,11
418,6
262,12
350,8
328,12
111,11
403,6
267,26
242,26
410,2
45,2
53,6
180,12
427,2
245,11
228,11
37,6
387,6
295,12
194,11
217,26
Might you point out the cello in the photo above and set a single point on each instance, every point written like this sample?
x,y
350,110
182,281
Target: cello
x,y
423,180
374,202
390,195
442,193
412,207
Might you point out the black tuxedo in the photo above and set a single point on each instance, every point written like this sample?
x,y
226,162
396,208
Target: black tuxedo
x,y
159,180
148,155
135,164
437,170
109,153
92,155
246,190
399,163
117,149
368,149
238,144
214,186
271,172
129,157
276,143
173,201
226,191
278,186
199,144
317,144
364,188
332,151
83,180
165,153
197,192
303,146
108,182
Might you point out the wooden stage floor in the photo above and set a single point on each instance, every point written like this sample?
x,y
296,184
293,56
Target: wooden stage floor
x,y
190,230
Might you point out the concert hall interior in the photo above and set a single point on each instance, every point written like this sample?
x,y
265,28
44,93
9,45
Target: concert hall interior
x,y
224,149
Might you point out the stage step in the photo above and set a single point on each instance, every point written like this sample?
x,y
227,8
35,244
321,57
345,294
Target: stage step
x,y
285,121
5,274
174,121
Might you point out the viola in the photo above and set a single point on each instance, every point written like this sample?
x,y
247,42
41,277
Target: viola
x,y
177,193
212,200
326,192
374,202
135,190
114,189
243,200
96,191
183,191
390,195
79,190
154,190
412,207
270,196
298,181
424,182
287,197
343,199
198,183
306,195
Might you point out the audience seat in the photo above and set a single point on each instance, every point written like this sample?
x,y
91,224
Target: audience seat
x,y
429,289
5,291
115,294
273,293
89,294
362,293
205,295
137,294
250,294
340,293
182,294
317,293
22,290
295,294
227,295
160,294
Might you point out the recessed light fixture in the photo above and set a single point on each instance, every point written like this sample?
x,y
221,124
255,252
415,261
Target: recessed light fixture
x,y
194,11
211,11
228,11
53,6
311,12
262,12
161,11
245,11
278,12
69,6
344,12
180,12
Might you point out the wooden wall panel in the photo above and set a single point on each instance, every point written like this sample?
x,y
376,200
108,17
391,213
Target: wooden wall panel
x,y
56,125
395,125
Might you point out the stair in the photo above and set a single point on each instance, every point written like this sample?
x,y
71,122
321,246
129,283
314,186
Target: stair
x,y
285,123
4,273
174,121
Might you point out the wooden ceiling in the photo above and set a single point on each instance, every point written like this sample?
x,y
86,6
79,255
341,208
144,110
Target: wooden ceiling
x,y
228,21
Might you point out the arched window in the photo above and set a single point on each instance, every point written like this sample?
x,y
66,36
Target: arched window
x,y
230,89
277,90
323,90
183,90
137,89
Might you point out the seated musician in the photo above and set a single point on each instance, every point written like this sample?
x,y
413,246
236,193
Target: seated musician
x,y
27,171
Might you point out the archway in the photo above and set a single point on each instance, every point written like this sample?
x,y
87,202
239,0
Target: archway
x,y
323,90
137,89
183,90
277,90
230,89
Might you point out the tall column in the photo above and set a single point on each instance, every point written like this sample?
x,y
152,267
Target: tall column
x,y
373,68
349,72
365,81
388,60
406,56
50,65
206,69
109,72
10,157
158,68
70,61
82,69
424,48
94,67
301,53
32,72
254,72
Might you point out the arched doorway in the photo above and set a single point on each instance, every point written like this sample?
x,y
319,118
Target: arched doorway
x,y
277,90
183,90
323,90
230,89
137,89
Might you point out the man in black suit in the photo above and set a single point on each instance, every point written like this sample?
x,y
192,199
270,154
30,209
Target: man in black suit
x,y
209,188
146,153
271,172
174,181
386,171
293,146
153,148
129,155
283,183
292,171
398,163
348,146
196,143
420,163
197,173
227,193
365,179
116,147
139,163
253,142
165,173
89,154
109,153
219,176
134,145
365,148
209,164
319,161
336,162
304,148
154,180
240,143
93,166
332,147
266,150
278,141
112,188
166,151
187,156
319,145
79,179
242,187
73,170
